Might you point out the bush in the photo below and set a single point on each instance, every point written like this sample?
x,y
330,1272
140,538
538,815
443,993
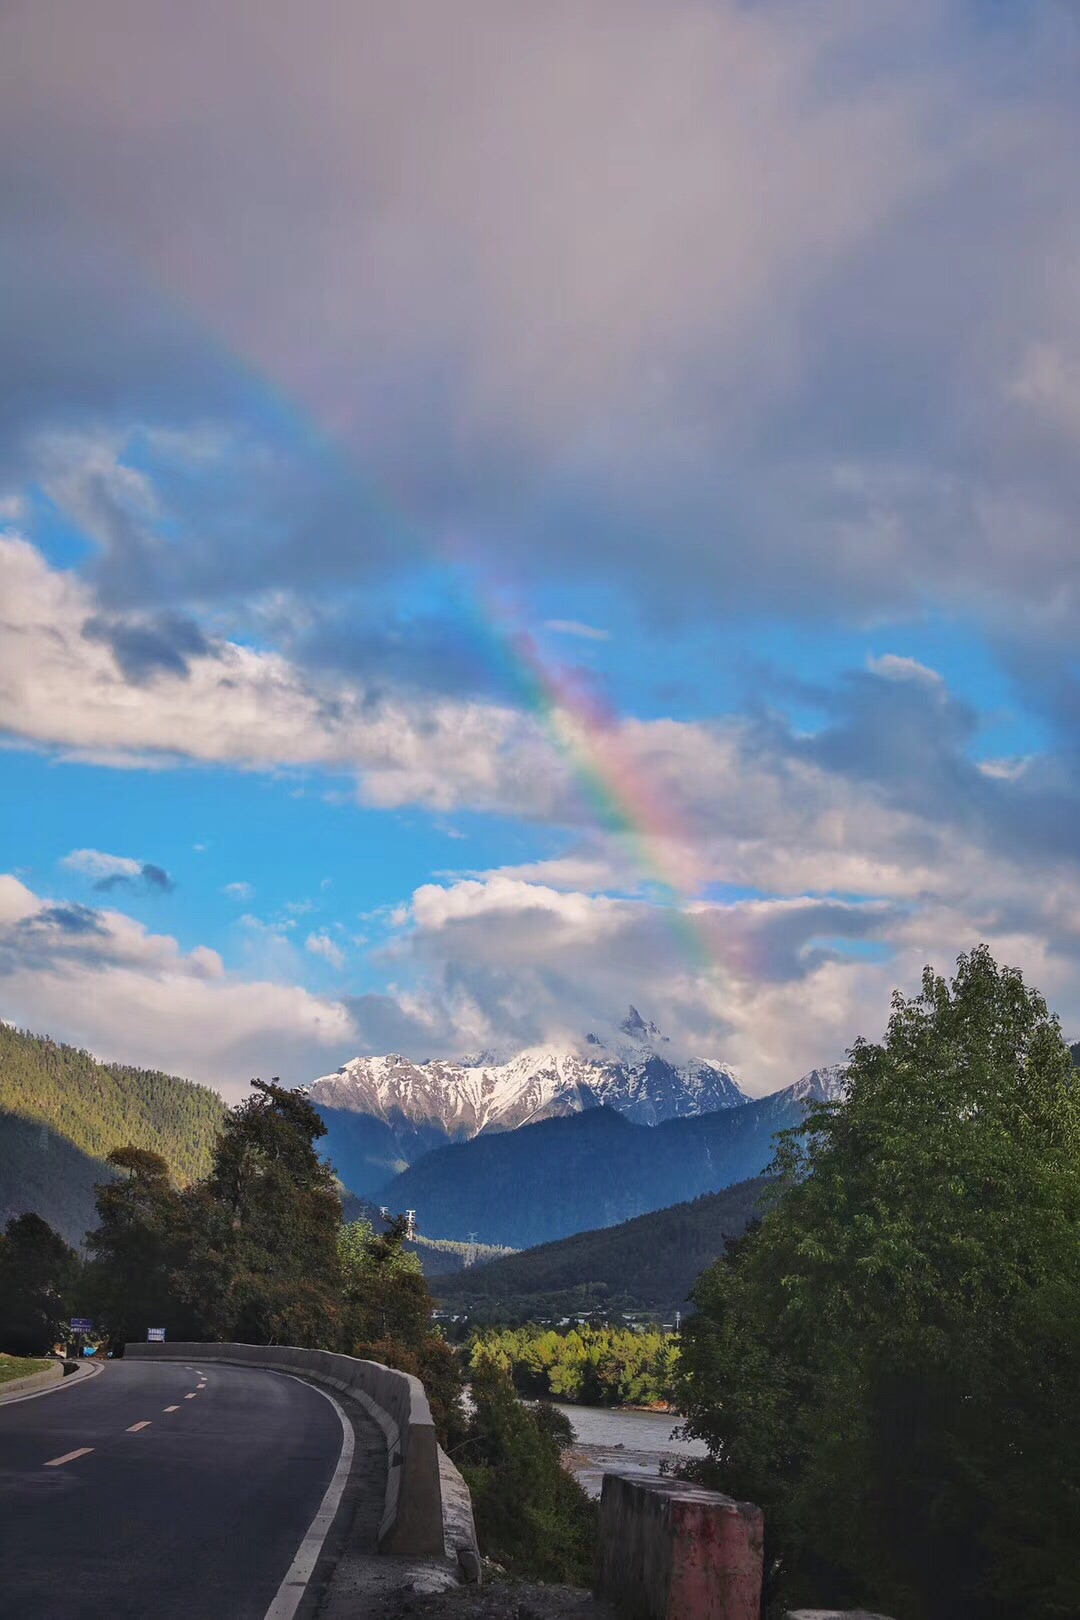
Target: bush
x,y
531,1515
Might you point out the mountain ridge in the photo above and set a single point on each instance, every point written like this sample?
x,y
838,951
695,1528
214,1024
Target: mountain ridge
x,y
384,1113
575,1173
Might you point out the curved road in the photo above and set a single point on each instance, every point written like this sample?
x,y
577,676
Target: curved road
x,y
195,1515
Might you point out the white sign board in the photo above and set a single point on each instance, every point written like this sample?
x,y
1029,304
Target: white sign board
x,y
156,1335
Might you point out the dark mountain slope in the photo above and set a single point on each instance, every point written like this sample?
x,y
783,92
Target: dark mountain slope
x,y
42,1171
595,1169
649,1263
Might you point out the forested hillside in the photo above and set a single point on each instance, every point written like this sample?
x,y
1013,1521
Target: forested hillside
x,y
648,1264
61,1112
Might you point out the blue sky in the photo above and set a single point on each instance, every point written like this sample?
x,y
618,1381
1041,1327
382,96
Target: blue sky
x,y
548,508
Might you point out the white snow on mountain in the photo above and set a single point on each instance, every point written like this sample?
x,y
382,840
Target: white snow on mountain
x,y
626,1069
828,1084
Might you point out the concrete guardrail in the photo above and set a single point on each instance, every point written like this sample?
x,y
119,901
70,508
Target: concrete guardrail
x,y
416,1521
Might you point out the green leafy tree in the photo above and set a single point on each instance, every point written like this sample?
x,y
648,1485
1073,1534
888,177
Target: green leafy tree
x,y
531,1514
38,1277
387,1317
134,1249
262,1260
890,1362
385,1291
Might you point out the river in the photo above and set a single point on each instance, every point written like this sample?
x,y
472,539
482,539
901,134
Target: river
x,y
618,1440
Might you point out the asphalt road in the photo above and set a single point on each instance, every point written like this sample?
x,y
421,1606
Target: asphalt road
x,y
198,1514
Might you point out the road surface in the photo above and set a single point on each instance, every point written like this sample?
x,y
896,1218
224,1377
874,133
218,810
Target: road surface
x,y
151,1491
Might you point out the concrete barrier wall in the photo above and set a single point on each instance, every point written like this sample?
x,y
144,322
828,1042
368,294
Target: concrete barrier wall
x,y
669,1550
413,1521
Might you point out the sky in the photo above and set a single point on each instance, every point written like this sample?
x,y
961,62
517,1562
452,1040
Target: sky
x,y
511,511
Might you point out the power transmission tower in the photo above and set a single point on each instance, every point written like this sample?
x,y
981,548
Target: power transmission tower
x,y
470,1252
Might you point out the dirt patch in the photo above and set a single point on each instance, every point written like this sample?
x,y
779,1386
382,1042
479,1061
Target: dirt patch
x,y
496,1600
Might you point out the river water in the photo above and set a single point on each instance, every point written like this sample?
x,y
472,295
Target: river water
x,y
614,1440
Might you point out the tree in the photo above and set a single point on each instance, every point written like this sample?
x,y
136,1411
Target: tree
x,y
38,1273
890,1362
262,1262
134,1249
387,1317
385,1290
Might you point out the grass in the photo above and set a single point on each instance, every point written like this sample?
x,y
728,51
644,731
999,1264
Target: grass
x,y
20,1367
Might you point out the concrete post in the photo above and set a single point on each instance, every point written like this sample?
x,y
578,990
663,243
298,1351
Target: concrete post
x,y
669,1550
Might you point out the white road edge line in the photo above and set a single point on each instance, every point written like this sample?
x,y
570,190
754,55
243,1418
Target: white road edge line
x,y
301,1569
68,1381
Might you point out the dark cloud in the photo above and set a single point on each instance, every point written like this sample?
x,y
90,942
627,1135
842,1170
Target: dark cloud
x,y
818,408
70,918
151,879
147,647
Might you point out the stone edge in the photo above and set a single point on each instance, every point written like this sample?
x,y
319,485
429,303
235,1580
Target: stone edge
x,y
31,1381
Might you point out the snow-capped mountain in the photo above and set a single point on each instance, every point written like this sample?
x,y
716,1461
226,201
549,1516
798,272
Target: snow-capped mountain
x,y
628,1071
825,1085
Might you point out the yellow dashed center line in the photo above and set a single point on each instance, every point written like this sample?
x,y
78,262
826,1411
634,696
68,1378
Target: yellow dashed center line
x,y
135,1427
69,1456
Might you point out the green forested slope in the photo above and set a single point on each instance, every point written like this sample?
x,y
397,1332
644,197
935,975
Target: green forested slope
x,y
61,1112
648,1264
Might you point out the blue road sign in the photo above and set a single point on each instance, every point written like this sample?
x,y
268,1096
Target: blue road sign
x,y
155,1335
81,1324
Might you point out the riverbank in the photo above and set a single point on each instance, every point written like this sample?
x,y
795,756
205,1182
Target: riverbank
x,y
623,1440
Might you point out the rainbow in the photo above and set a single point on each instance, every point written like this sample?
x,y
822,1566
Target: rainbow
x,y
587,734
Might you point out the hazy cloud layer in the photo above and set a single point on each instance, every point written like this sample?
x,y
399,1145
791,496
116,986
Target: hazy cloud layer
x,y
753,306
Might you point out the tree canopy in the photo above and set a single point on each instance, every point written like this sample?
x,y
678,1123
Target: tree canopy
x,y
890,1361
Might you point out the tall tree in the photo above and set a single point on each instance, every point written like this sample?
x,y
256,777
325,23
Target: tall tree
x,y
890,1362
262,1265
38,1276
135,1248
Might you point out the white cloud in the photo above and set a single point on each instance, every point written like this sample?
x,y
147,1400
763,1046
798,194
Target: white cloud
x,y
100,980
574,627
894,667
239,891
322,945
232,705
94,863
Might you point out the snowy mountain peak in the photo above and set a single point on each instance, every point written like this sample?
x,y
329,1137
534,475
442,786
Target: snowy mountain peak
x,y
636,1027
825,1085
499,1091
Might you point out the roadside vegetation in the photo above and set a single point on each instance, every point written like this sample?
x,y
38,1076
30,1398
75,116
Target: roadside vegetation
x,y
21,1367
532,1516
890,1362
